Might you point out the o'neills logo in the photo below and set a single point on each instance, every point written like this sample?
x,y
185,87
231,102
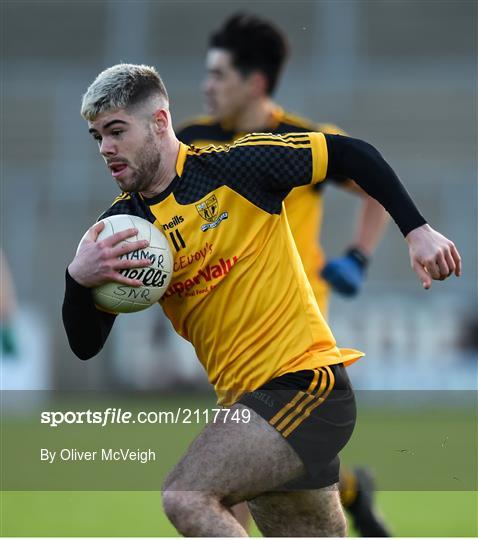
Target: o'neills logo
x,y
173,223
151,277
207,274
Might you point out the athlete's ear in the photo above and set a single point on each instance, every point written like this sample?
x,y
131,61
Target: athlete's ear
x,y
162,120
258,83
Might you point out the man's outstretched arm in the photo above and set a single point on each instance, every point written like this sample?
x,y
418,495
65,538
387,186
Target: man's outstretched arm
x,y
432,256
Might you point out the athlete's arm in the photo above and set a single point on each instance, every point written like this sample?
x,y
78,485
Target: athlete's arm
x,y
346,274
96,262
372,220
87,328
371,224
363,163
432,255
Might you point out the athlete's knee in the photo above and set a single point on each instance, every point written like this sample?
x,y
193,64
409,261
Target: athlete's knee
x,y
177,505
332,516
181,506
337,526
174,504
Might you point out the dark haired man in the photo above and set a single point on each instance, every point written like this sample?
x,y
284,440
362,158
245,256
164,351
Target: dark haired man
x,y
244,61
254,321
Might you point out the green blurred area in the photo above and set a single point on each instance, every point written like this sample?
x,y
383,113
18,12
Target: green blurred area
x,y
70,513
424,458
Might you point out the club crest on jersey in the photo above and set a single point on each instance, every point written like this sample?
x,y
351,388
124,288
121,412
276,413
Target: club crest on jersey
x,y
209,211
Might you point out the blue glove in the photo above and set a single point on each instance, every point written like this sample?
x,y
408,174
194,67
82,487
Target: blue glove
x,y
346,274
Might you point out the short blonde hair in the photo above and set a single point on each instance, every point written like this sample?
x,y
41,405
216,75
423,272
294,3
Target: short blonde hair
x,y
121,87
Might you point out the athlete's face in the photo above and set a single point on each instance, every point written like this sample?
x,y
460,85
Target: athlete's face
x,y
129,148
226,91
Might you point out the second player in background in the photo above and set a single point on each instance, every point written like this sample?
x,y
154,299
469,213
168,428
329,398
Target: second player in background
x,y
244,62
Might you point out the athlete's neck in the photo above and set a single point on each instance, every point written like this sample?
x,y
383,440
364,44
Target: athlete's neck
x,y
257,116
167,168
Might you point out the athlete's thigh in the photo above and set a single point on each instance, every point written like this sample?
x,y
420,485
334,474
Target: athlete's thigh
x,y
311,513
236,460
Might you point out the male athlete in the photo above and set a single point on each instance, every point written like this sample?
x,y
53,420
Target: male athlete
x,y
244,62
248,309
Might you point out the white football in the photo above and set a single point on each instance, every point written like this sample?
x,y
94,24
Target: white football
x,y
120,298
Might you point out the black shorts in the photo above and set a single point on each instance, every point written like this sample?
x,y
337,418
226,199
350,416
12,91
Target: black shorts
x,y
314,410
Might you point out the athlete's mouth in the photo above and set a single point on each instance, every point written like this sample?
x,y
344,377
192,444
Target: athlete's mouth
x,y
210,103
117,168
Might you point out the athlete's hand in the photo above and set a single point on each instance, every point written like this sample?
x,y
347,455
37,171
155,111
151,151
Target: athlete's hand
x,y
432,256
346,274
97,262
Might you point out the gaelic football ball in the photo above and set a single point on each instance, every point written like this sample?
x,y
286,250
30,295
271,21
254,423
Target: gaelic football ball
x,y
119,298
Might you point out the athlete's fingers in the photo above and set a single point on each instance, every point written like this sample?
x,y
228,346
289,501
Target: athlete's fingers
x,y
450,262
124,264
94,231
432,268
118,237
128,247
442,265
422,274
119,278
457,259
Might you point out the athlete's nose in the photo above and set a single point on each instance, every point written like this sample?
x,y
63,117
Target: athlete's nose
x,y
107,148
207,86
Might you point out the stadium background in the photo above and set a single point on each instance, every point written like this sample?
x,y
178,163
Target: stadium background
x,y
400,74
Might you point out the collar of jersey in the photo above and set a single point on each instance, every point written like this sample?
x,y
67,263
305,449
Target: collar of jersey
x,y
180,161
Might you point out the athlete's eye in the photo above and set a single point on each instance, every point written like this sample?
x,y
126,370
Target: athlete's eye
x,y
116,132
97,137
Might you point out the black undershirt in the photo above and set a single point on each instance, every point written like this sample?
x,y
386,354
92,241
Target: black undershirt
x,y
87,328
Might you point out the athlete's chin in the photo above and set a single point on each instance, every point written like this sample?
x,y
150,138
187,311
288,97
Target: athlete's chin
x,y
211,108
129,185
222,114
124,185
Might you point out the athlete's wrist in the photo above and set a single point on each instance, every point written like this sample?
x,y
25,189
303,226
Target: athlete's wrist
x,y
73,284
418,232
359,256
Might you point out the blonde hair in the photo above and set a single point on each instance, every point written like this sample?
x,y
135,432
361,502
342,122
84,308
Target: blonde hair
x,y
121,87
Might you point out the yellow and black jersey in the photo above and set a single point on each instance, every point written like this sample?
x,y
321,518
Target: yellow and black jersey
x,y
239,293
303,204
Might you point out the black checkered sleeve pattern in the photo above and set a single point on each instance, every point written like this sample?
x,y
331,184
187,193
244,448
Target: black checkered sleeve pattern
x,y
263,168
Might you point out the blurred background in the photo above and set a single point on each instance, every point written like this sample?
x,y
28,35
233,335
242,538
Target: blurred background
x,y
400,74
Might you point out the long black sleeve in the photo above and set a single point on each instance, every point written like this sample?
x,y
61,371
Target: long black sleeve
x,y
87,328
363,163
